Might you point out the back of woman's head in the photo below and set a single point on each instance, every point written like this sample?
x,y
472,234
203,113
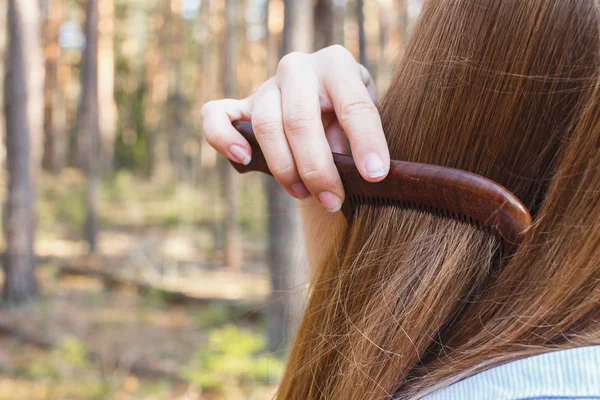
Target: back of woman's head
x,y
405,301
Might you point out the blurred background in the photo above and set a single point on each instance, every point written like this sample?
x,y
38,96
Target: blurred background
x,y
136,263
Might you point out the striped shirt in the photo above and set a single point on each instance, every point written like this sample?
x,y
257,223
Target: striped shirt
x,y
563,374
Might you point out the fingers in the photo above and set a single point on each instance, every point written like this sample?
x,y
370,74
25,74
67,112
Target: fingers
x,y
304,131
217,117
352,91
267,123
286,115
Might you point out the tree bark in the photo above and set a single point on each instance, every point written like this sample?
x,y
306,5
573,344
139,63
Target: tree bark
x,y
24,110
360,16
288,270
107,107
88,124
3,45
178,128
55,140
324,17
156,87
298,26
233,252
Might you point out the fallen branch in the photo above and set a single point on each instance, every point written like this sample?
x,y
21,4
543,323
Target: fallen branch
x,y
245,307
137,368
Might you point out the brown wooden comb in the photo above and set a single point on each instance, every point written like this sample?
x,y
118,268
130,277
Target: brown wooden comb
x,y
446,192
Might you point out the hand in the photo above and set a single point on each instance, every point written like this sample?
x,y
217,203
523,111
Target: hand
x,y
315,104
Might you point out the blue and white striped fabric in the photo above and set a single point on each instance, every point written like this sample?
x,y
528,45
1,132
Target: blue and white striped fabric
x,y
563,374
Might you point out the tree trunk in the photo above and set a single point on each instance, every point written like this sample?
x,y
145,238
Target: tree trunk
x,y
156,69
24,111
177,103
360,16
156,87
88,124
107,107
3,45
287,265
233,252
55,135
324,17
298,26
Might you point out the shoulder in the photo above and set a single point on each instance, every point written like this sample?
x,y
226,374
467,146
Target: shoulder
x,y
564,374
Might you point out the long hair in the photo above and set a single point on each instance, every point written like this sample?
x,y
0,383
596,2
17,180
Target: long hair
x,y
405,302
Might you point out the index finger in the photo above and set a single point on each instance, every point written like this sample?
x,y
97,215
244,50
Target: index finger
x,y
359,118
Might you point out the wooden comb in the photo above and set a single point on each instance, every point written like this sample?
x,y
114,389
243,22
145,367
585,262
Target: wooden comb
x,y
446,192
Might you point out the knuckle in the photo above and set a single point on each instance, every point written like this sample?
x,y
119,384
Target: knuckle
x,y
318,176
298,122
284,173
338,49
206,109
354,107
263,124
290,61
338,52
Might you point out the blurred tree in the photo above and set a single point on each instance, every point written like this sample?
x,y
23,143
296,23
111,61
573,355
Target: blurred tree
x,y
360,16
324,24
3,43
156,90
88,126
24,115
107,107
55,129
298,26
287,267
177,130
233,251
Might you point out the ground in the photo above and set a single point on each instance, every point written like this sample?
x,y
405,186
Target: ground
x,y
159,329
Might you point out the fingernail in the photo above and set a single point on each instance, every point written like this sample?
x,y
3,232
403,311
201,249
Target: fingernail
x,y
300,191
240,154
330,201
374,166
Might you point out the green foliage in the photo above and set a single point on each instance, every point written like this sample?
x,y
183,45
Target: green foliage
x,y
67,360
213,315
161,297
119,187
61,200
68,356
131,147
233,358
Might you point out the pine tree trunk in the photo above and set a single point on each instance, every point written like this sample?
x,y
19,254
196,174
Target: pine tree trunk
x,y
88,124
107,107
55,140
3,50
233,253
156,90
157,83
288,270
178,129
324,17
360,16
24,111
298,26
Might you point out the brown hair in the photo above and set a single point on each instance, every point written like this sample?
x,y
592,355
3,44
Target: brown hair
x,y
406,302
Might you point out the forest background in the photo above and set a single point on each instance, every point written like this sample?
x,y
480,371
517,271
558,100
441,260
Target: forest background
x,y
136,263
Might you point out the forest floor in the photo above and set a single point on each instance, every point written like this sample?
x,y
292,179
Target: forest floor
x,y
174,323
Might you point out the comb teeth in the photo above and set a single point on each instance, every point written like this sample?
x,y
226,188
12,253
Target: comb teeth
x,y
356,200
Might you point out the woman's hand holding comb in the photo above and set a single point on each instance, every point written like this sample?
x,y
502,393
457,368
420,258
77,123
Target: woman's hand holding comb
x,y
316,104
